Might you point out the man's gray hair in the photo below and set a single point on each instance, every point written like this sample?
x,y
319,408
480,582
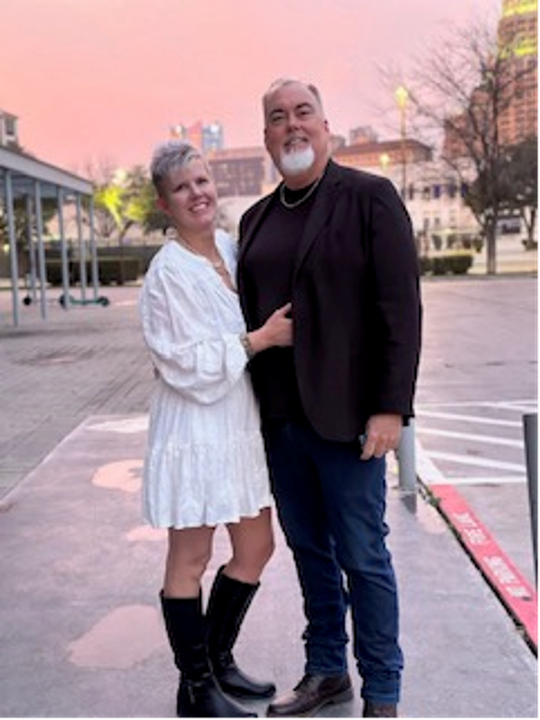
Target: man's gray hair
x,y
284,81
168,156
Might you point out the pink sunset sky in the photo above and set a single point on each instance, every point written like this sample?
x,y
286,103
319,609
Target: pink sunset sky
x,y
102,81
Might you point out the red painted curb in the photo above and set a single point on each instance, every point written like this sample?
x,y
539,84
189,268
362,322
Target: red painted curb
x,y
515,592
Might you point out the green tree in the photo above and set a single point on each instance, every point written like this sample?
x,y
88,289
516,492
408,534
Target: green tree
x,y
519,175
462,89
124,199
108,200
127,198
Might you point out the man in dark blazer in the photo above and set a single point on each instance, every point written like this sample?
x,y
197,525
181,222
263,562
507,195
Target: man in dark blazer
x,y
337,243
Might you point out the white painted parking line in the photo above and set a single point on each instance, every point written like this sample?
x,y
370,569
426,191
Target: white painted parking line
x,y
522,409
490,439
510,404
470,418
478,462
426,469
430,474
489,480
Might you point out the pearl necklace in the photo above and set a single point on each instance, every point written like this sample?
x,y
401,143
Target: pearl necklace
x,y
296,203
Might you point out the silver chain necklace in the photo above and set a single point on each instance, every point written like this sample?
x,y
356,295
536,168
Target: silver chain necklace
x,y
296,203
218,265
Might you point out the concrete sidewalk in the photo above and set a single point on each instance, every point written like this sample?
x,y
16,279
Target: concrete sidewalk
x,y
81,634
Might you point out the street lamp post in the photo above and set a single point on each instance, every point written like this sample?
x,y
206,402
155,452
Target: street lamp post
x,y
402,96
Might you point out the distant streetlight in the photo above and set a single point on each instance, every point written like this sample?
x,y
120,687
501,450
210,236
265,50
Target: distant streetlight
x,y
384,159
402,97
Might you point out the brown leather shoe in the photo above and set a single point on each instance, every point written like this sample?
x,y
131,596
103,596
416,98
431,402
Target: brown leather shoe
x,y
311,694
375,709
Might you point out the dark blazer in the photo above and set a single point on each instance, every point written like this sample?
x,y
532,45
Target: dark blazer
x,y
356,302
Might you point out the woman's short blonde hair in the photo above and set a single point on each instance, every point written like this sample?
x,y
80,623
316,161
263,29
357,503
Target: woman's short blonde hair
x,y
168,156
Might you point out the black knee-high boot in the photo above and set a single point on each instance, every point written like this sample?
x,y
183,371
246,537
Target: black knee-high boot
x,y
227,605
199,695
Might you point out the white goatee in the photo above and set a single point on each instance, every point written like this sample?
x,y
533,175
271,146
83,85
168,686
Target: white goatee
x,y
297,162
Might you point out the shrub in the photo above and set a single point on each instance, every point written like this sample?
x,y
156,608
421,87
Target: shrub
x,y
457,263
117,270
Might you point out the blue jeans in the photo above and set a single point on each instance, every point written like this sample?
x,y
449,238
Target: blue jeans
x,y
331,506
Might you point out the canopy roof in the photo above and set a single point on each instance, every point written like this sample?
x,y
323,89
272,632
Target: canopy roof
x,y
25,170
24,176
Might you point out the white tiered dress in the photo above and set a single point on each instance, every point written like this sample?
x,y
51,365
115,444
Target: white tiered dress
x,y
205,462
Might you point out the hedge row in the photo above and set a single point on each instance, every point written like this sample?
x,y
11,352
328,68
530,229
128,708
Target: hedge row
x,y
117,270
451,264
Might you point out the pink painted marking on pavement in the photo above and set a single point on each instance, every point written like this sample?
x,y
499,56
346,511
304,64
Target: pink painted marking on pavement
x,y
513,589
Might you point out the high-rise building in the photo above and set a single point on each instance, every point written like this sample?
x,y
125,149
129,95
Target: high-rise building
x,y
207,138
192,134
239,171
517,38
513,106
212,137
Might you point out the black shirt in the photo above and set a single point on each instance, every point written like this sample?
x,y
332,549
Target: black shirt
x,y
268,271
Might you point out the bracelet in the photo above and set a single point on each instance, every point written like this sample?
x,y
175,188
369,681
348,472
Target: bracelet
x,y
246,344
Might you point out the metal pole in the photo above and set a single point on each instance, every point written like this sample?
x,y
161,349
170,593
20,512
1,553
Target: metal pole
x,y
93,248
63,249
402,96
41,251
530,432
8,185
82,248
403,155
406,456
32,292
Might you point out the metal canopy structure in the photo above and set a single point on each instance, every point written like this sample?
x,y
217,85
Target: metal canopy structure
x,y
25,178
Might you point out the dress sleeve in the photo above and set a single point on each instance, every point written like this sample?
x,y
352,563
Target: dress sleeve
x,y
191,352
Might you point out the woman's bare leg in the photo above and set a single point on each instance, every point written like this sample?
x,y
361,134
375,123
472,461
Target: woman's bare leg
x,y
252,541
189,553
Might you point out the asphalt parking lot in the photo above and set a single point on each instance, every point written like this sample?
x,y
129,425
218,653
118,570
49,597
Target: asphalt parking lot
x,y
83,571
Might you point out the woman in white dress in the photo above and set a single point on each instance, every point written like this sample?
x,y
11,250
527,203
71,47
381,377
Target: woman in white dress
x,y
205,463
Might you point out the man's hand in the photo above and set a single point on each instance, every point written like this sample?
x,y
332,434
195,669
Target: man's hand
x,y
382,435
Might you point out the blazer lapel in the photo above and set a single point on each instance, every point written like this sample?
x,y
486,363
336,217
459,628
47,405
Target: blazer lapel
x,y
322,209
255,221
